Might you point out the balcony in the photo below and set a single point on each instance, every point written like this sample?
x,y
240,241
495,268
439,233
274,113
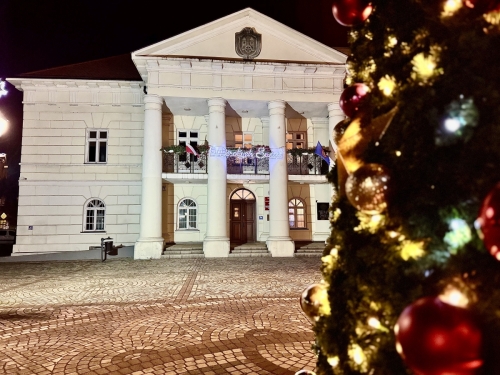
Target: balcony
x,y
297,164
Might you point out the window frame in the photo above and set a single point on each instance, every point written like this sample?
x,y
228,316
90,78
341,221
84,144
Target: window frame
x,y
97,205
183,141
292,141
295,207
188,214
98,140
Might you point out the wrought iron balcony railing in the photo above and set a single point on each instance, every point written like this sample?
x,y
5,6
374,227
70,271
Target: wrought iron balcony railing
x,y
184,163
304,164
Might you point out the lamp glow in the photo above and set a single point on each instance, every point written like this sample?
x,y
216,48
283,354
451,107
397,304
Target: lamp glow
x,y
3,124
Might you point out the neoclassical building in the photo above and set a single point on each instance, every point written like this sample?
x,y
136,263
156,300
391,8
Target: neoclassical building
x,y
103,150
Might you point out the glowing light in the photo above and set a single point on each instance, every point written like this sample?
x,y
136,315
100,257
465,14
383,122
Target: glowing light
x,y
452,124
392,40
459,233
398,153
374,323
333,361
3,90
424,66
413,250
450,7
3,124
387,85
356,354
376,218
452,296
393,234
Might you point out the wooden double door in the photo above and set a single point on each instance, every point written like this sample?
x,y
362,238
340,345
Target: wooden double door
x,y
242,222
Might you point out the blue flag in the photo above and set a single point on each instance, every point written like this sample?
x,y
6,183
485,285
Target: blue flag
x,y
320,152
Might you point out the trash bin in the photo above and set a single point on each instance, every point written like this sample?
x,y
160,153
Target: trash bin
x,y
110,250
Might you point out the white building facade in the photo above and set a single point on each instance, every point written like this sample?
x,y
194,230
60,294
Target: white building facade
x,y
92,164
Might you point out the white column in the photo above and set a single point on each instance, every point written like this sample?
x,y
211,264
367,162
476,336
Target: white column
x,y
150,242
335,115
279,242
216,242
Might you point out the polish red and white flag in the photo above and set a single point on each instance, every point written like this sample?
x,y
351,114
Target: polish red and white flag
x,y
190,150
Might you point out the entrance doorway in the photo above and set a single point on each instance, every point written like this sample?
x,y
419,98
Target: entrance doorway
x,y
242,219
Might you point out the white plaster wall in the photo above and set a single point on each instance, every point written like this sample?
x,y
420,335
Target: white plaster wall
x,y
55,182
55,210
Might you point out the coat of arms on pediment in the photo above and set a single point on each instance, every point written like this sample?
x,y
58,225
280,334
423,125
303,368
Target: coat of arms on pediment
x,y
248,43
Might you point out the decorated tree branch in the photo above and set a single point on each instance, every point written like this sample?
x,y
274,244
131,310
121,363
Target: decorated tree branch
x,y
411,271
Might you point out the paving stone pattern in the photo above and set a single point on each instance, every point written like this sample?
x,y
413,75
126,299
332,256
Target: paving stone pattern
x,y
168,316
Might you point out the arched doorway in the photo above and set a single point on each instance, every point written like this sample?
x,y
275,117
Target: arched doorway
x,y
242,217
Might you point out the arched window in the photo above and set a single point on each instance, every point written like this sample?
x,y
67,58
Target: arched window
x,y
297,213
95,211
187,214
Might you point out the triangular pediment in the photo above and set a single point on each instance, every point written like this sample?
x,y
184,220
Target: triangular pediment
x,y
216,40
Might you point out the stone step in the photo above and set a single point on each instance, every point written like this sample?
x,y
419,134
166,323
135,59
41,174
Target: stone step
x,y
249,255
249,251
186,256
309,254
183,251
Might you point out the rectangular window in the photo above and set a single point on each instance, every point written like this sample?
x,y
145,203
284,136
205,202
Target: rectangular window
x,y
243,140
187,138
295,140
97,146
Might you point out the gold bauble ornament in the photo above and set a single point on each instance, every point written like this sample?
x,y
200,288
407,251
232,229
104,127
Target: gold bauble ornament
x,y
368,188
314,301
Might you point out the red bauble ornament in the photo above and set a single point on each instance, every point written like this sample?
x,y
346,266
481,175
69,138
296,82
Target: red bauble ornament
x,y
488,222
435,338
354,98
483,6
351,12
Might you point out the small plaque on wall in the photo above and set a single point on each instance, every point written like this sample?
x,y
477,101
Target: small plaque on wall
x,y
322,209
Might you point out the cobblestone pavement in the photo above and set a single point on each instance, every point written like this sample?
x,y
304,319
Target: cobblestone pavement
x,y
168,316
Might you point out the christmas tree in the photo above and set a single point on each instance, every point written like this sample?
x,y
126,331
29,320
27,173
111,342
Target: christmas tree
x,y
412,267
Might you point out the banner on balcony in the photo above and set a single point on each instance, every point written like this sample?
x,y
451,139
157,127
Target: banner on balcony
x,y
190,150
260,153
319,151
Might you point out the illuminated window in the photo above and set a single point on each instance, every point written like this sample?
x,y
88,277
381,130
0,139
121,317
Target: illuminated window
x,y
97,146
187,214
95,211
243,140
295,140
296,213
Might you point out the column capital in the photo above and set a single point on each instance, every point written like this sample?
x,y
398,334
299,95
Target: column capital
x,y
216,102
276,104
153,99
334,110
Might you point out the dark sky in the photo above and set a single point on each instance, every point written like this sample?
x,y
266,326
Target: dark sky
x,y
39,34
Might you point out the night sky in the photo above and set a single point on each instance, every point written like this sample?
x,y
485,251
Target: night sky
x,y
40,34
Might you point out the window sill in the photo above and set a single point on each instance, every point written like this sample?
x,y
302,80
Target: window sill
x,y
187,230
93,231
298,228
